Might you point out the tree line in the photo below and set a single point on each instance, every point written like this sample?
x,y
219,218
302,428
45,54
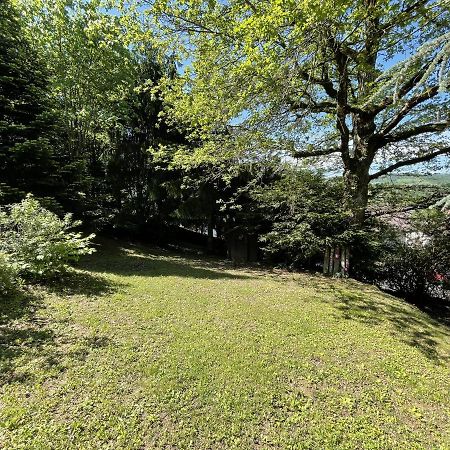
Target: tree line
x,y
230,118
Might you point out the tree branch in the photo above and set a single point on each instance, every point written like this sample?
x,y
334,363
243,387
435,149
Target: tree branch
x,y
325,106
410,104
325,83
429,201
193,26
403,14
307,154
405,88
409,162
421,129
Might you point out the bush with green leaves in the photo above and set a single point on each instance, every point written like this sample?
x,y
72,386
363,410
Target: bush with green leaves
x,y
40,243
416,262
8,275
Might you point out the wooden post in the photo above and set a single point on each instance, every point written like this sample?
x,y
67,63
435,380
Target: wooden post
x,y
330,261
337,260
326,261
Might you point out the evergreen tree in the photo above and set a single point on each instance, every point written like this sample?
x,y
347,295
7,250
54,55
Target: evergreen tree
x,y
26,131
141,190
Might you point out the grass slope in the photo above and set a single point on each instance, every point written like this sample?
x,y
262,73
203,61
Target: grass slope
x,y
146,350
437,179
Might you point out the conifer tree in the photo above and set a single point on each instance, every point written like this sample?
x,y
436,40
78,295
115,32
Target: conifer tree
x,y
26,131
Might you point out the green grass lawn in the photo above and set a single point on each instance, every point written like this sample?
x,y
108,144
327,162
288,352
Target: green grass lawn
x,y
142,349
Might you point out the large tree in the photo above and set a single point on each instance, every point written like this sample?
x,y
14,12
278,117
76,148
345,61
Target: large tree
x,y
140,188
364,80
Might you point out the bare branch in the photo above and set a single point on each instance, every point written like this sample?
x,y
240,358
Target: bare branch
x,y
420,129
411,161
307,154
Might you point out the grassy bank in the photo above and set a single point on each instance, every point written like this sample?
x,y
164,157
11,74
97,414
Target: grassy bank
x,y
142,349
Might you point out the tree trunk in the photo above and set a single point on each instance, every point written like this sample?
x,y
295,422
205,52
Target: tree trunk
x,y
345,261
356,194
356,189
326,261
336,261
211,234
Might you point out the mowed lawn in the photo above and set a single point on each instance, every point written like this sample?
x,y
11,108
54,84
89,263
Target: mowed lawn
x,y
143,349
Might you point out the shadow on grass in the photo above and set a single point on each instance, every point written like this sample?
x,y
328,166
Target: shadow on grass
x,y
32,340
21,332
437,308
414,327
137,260
81,283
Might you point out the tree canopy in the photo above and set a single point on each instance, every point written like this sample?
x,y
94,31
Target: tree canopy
x,y
364,81
228,118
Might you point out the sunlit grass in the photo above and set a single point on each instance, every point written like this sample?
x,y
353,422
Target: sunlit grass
x,y
142,349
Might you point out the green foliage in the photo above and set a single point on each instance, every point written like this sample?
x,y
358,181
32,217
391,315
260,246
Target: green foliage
x,y
39,242
305,213
102,88
8,275
312,79
265,64
86,48
412,260
91,69
139,185
434,224
27,161
419,261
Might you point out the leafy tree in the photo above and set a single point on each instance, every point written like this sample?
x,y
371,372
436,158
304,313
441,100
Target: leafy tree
x,y
91,64
92,69
141,189
316,79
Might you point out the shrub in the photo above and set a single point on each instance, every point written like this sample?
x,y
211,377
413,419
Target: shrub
x,y
39,242
406,270
8,275
416,263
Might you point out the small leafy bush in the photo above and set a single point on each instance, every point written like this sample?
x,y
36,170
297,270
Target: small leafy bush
x,y
39,242
8,275
407,270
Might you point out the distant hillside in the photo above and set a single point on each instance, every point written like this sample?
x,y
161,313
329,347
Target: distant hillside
x,y
438,179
